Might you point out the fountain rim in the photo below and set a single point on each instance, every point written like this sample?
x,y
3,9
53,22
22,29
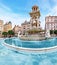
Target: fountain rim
x,y
31,49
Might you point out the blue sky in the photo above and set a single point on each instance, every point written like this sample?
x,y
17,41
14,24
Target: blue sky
x,y
17,11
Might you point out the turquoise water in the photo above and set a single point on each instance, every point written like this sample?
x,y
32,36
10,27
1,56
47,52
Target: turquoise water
x,y
32,44
12,57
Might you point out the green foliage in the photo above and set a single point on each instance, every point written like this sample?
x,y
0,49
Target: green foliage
x,y
10,32
4,34
55,32
51,31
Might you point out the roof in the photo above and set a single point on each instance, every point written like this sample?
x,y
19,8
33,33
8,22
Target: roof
x,y
25,23
35,6
50,16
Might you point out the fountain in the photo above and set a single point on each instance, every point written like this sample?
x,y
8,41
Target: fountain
x,y
19,34
47,35
45,46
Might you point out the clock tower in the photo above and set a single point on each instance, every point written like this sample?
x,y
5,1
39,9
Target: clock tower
x,y
35,15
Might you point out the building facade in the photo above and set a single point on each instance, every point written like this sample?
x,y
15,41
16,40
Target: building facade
x,y
51,23
1,27
34,22
25,27
17,29
7,26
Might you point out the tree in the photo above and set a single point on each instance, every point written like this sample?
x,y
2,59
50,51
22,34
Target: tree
x,y
10,33
4,34
51,31
55,32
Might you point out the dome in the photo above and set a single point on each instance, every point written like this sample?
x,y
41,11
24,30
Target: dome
x,y
35,6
